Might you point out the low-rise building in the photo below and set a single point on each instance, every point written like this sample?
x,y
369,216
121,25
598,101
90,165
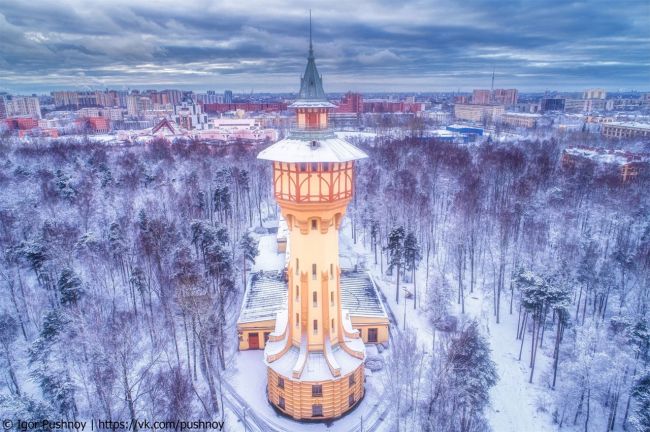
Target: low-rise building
x,y
233,129
625,130
522,120
94,124
629,164
437,116
478,113
266,295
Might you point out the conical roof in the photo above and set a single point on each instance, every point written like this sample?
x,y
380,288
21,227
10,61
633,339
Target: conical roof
x,y
311,84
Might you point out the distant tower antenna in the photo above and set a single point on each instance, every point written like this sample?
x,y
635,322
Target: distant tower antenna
x,y
492,88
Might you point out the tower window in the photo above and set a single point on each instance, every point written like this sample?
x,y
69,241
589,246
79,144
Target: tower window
x,y
317,390
281,402
303,167
314,167
314,224
317,410
314,297
297,267
351,400
280,382
313,271
331,271
297,319
326,166
333,329
332,298
352,380
297,292
315,326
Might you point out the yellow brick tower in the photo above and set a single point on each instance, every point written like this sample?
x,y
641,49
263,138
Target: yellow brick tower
x,y
314,356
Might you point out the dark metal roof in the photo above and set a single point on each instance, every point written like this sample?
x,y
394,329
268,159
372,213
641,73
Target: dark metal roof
x,y
311,84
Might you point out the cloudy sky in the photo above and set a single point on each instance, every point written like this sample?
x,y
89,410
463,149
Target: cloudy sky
x,y
364,45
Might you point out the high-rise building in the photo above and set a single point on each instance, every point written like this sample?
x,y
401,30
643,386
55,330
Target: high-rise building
x,y
87,99
481,97
227,96
137,105
65,99
314,358
594,93
551,104
22,106
106,98
3,107
189,115
209,98
119,97
507,97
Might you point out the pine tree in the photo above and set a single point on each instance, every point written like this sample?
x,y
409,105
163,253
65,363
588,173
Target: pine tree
x,y
249,251
472,373
395,249
641,393
412,256
69,286
8,335
46,359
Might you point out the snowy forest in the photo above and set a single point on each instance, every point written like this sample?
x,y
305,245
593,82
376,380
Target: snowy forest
x,y
123,268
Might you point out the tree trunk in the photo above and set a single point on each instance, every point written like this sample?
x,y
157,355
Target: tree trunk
x,y
397,287
523,334
556,352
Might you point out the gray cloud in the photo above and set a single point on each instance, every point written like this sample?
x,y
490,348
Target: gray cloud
x,y
374,45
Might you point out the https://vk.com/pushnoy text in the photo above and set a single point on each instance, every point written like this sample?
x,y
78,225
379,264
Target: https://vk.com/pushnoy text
x,y
133,425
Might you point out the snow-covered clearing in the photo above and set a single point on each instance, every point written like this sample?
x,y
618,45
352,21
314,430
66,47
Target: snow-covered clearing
x,y
514,402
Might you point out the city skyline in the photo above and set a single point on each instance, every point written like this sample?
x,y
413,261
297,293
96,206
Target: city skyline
x,y
374,47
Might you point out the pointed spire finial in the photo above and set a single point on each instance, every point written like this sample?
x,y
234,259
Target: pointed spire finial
x,y
311,49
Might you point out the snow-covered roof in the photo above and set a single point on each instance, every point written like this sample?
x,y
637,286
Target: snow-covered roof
x,y
607,156
316,368
267,295
329,149
522,115
632,124
312,104
305,365
283,230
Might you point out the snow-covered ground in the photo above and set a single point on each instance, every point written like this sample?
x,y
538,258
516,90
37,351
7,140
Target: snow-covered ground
x,y
514,402
355,134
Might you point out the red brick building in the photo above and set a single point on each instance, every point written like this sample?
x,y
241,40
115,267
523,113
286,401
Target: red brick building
x,y
94,124
392,107
350,103
21,123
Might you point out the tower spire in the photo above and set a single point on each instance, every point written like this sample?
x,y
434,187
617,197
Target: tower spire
x,y
311,48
